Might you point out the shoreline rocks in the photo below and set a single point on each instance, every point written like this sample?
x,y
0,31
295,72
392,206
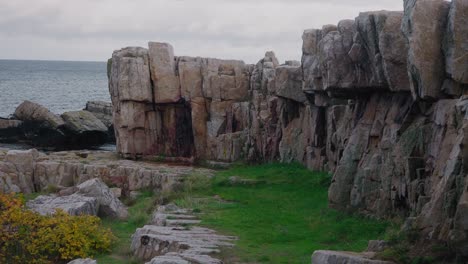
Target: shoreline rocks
x,y
36,125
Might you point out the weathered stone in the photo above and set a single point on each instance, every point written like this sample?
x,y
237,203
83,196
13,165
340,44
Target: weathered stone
x,y
83,261
163,73
23,162
169,240
41,126
74,204
103,112
337,257
130,76
289,83
109,205
456,42
29,111
84,128
424,24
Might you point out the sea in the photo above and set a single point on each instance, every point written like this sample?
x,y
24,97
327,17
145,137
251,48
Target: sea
x,y
60,86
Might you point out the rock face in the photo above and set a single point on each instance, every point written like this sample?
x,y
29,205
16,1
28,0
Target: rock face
x,y
424,25
378,101
32,171
456,44
74,204
109,205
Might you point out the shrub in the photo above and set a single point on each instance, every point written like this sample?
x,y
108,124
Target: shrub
x,y
27,237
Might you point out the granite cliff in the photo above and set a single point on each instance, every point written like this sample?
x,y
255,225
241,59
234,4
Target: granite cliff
x,y
379,101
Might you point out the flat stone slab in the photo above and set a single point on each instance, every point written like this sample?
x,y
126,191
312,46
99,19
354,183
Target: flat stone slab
x,y
83,261
172,239
74,204
340,257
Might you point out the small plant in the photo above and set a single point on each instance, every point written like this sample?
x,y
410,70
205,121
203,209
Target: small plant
x,y
27,237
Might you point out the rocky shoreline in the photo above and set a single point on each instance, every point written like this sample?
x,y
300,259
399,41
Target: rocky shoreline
x,y
35,125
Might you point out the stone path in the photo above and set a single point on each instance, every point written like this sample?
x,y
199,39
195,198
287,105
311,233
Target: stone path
x,y
173,238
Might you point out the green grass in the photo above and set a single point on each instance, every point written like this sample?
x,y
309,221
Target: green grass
x,y
139,215
282,219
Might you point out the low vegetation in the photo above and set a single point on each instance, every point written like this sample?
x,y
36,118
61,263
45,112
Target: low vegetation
x,y
140,210
279,212
27,237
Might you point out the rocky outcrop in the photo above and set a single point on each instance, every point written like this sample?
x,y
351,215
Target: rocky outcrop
x,y
36,125
74,204
109,204
378,101
32,171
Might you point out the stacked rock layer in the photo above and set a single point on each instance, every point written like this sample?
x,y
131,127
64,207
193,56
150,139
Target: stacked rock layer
x,y
379,101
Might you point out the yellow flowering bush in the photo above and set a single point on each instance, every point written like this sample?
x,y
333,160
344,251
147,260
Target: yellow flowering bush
x,y
27,237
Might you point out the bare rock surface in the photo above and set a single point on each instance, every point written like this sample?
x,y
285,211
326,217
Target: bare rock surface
x,y
74,204
85,128
83,261
377,100
29,171
338,257
173,238
109,204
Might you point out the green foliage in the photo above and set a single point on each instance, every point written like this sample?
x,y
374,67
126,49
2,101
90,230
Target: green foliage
x,y
140,211
282,218
27,237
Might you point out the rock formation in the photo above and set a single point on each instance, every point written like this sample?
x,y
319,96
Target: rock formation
x,y
379,101
36,125
74,204
102,111
32,171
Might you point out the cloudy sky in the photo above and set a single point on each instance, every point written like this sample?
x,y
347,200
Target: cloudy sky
x,y
237,29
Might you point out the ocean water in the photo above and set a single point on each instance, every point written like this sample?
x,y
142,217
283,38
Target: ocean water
x,y
58,85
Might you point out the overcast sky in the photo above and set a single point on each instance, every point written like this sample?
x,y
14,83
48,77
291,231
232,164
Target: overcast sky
x,y
231,29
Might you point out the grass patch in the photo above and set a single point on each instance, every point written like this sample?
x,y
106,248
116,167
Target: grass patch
x,y
140,211
281,219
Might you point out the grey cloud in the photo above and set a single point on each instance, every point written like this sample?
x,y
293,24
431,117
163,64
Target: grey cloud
x,y
241,29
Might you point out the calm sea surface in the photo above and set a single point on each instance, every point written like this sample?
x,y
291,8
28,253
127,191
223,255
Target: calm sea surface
x,y
58,85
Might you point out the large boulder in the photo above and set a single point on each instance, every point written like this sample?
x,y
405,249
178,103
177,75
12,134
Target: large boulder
x,y
41,126
84,129
424,25
456,42
74,204
109,205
